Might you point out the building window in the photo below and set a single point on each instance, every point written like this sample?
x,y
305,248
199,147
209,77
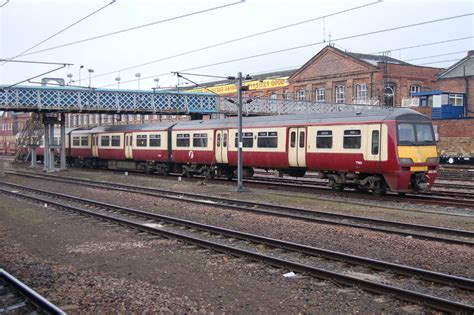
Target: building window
x,y
389,95
320,95
182,140
351,139
340,94
141,140
300,95
414,89
361,92
155,140
456,99
267,139
200,140
324,139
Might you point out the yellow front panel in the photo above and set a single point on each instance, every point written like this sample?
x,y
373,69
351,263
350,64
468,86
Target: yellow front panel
x,y
417,154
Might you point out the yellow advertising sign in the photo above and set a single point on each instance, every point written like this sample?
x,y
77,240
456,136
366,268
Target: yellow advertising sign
x,y
253,85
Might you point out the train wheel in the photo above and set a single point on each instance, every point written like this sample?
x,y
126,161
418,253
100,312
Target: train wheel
x,y
335,186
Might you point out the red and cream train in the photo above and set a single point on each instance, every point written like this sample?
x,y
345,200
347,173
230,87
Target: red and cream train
x,y
375,150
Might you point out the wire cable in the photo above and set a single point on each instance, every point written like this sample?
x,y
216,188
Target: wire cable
x,y
133,28
447,54
61,31
238,39
427,44
314,44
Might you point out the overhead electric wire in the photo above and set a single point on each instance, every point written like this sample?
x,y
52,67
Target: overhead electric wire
x,y
312,44
61,31
441,61
433,56
427,44
134,28
239,39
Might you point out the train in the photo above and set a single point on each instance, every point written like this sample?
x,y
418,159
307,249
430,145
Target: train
x,y
377,150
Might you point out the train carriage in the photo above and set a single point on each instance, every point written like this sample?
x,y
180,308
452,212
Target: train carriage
x,y
374,150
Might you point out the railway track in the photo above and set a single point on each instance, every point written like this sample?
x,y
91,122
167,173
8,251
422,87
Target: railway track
x,y
425,232
431,289
447,198
17,298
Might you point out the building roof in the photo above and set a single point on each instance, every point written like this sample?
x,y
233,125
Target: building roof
x,y
374,59
366,60
462,68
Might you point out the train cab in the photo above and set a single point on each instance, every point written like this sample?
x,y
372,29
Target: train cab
x,y
415,148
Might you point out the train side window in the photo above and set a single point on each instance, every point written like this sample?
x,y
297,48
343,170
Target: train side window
x,y
182,140
84,141
293,139
115,141
200,140
141,140
218,140
104,141
324,139
375,142
267,139
75,141
247,140
155,140
302,139
224,141
352,139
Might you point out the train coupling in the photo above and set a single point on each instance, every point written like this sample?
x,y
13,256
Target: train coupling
x,y
420,182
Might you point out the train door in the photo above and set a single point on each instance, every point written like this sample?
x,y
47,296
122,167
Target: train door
x,y
222,145
374,145
95,145
297,147
128,145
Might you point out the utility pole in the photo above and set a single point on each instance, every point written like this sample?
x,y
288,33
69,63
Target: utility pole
x,y
240,186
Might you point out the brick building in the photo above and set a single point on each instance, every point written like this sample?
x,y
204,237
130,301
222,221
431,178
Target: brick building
x,y
337,76
10,124
459,78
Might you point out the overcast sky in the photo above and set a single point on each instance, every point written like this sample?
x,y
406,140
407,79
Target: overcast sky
x,y
25,23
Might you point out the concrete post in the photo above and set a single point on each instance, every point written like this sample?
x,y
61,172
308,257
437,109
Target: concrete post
x,y
46,148
51,148
2,168
33,156
63,142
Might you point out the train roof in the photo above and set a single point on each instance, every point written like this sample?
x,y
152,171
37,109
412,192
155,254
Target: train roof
x,y
334,117
125,128
375,115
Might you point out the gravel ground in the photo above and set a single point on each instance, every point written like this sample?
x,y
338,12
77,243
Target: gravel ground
x,y
84,266
112,270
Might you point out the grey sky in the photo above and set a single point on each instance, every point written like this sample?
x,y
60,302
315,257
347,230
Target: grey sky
x,y
24,23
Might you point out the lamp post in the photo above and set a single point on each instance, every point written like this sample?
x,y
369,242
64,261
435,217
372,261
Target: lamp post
x,y
69,75
138,75
118,82
90,73
157,80
80,68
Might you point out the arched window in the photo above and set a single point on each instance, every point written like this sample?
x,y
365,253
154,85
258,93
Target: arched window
x,y
389,94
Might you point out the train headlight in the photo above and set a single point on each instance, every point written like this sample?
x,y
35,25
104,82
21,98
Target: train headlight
x,y
406,161
432,160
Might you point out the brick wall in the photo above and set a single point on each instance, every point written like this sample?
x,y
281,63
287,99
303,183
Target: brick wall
x,y
456,137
